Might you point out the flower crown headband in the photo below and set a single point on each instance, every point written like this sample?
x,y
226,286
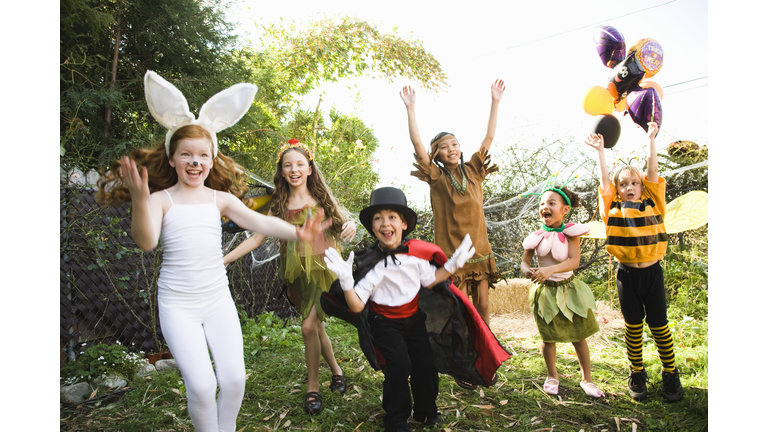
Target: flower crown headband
x,y
550,186
169,107
293,143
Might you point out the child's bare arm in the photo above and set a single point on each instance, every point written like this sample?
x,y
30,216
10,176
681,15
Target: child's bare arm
x,y
497,91
408,95
596,142
244,247
146,209
231,207
652,173
525,264
441,274
572,263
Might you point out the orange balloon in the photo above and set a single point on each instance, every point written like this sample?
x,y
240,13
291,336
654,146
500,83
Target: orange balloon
x,y
654,84
613,91
620,105
598,101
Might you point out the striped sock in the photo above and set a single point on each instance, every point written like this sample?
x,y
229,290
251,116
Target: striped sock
x,y
633,337
663,338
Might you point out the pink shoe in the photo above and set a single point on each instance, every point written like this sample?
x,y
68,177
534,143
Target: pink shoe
x,y
591,390
551,388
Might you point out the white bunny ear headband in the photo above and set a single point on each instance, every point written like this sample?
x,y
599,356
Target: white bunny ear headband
x,y
169,107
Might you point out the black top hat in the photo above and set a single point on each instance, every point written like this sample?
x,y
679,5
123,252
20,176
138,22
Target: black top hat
x,y
388,198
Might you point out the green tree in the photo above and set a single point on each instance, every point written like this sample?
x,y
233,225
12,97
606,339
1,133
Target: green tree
x,y
333,48
107,46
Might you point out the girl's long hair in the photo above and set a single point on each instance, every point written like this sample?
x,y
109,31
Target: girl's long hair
x,y
317,189
225,174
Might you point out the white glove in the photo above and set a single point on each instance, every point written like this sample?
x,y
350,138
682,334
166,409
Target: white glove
x,y
343,269
462,254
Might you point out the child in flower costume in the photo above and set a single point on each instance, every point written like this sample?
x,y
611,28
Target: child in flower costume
x,y
562,305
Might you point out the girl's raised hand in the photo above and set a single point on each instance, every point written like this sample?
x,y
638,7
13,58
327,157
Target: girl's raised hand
x,y
653,129
348,230
138,185
497,90
313,227
595,141
408,95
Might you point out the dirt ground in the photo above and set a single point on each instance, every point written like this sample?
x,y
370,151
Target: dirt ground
x,y
511,317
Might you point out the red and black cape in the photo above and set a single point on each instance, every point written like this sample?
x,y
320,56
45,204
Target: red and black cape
x,y
462,343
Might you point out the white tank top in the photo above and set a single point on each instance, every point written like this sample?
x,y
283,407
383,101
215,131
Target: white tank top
x,y
192,257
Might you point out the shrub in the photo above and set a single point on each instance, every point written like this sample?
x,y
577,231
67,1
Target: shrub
x,y
102,359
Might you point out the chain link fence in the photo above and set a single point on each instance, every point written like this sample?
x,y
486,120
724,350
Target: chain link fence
x,y
108,287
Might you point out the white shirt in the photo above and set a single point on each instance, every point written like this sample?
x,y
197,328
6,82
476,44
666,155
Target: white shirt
x,y
395,285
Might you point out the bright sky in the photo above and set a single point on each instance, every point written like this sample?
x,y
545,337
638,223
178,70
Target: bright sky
x,y
543,50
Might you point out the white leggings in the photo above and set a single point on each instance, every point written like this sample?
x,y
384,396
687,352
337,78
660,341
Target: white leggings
x,y
191,325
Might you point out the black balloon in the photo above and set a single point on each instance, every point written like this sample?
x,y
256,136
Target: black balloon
x,y
625,77
609,127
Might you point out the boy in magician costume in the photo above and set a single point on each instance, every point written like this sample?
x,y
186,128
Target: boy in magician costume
x,y
411,320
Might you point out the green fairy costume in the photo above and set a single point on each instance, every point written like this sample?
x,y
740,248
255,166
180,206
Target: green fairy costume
x,y
302,267
563,305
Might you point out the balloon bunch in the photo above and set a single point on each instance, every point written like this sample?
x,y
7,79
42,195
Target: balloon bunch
x,y
628,88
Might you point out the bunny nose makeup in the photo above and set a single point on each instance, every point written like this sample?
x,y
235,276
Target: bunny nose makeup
x,y
195,163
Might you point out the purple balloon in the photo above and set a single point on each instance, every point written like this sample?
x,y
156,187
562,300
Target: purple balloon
x,y
610,45
644,106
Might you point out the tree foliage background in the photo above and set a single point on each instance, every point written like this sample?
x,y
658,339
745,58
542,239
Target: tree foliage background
x,y
108,45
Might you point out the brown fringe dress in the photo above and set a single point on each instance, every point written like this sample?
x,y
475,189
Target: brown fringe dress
x,y
457,205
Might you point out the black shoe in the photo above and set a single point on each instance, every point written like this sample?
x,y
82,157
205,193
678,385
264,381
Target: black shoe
x,y
313,403
428,420
338,383
637,388
465,385
671,387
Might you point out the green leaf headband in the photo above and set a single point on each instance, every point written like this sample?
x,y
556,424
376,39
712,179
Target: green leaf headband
x,y
550,186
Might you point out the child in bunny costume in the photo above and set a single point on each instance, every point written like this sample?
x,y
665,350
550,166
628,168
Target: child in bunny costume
x,y
179,196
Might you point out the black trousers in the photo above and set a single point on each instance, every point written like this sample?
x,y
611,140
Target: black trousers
x,y
405,346
642,295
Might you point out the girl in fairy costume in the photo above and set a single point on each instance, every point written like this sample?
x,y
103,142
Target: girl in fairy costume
x,y
300,190
456,194
562,305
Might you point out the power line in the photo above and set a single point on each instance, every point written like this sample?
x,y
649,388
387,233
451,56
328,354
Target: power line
x,y
684,82
561,33
685,90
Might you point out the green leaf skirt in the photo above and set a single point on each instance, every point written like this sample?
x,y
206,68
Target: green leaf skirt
x,y
564,310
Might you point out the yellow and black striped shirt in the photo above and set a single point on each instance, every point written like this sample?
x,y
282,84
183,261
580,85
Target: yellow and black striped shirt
x,y
635,230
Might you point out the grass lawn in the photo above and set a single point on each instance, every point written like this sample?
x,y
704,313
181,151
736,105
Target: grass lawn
x,y
276,386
